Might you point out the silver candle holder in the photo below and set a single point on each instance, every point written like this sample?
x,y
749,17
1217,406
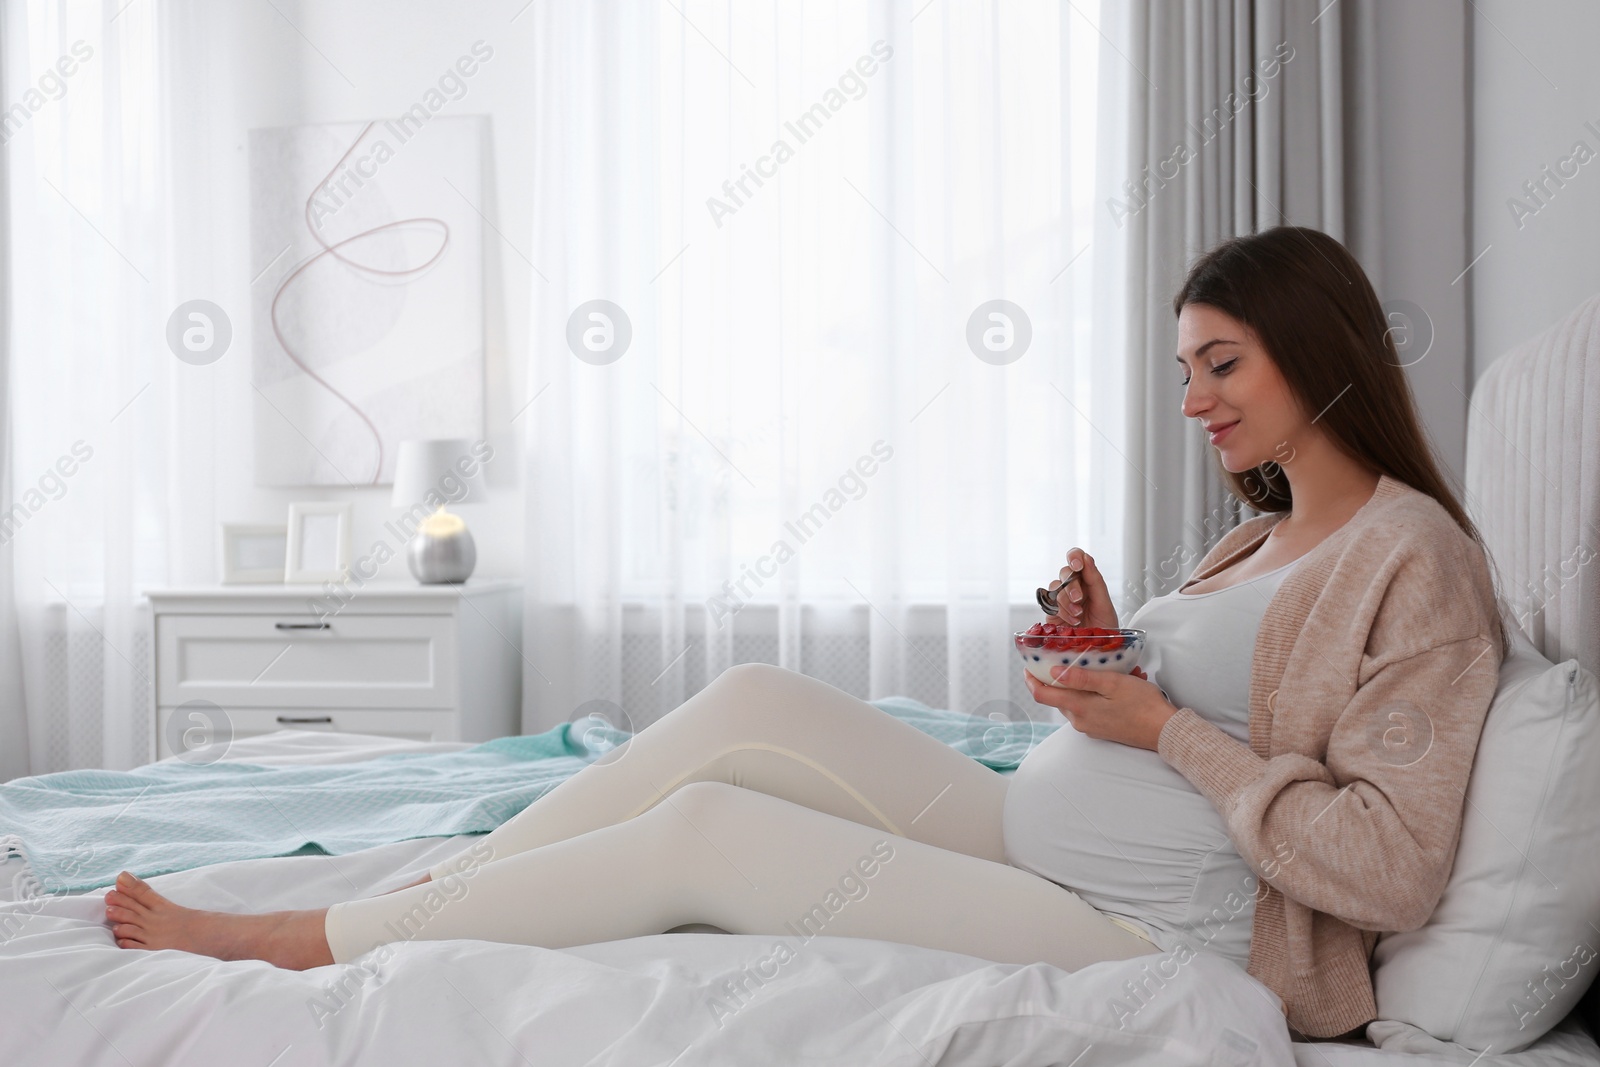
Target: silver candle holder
x,y
442,550
428,476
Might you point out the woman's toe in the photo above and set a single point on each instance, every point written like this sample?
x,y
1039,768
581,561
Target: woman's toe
x,y
138,891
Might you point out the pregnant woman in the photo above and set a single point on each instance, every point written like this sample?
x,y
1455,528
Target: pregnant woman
x,y
1287,785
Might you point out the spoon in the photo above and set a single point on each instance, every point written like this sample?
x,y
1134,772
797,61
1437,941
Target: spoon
x,y
1049,599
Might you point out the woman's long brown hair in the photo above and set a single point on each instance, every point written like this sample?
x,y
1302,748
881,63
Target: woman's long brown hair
x,y
1313,309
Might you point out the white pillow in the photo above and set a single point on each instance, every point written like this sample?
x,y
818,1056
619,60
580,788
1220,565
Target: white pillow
x,y
1514,942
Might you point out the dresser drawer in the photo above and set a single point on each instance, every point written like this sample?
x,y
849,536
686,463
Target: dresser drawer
x,y
297,661
183,728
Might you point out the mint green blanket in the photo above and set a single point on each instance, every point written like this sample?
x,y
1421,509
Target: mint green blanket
x,y
77,829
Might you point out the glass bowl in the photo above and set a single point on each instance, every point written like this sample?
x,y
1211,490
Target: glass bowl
x,y
1092,648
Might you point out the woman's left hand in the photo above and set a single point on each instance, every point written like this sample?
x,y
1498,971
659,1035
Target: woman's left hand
x,y
1126,708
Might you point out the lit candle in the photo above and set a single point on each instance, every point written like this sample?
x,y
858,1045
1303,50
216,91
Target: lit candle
x,y
442,524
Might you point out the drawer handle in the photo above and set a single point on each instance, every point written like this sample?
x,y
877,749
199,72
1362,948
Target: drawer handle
x,y
304,625
290,720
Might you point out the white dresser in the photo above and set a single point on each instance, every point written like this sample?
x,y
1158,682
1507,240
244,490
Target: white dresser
x,y
400,659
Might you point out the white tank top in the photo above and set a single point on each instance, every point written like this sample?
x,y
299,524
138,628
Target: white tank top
x,y
1122,828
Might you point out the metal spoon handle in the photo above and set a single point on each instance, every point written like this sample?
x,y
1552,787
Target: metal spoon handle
x,y
1049,599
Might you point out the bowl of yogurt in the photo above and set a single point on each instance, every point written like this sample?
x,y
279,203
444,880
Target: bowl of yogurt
x,y
1046,645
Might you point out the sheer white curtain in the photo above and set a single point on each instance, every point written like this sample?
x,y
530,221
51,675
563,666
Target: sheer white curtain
x,y
13,711
794,214
99,440
799,457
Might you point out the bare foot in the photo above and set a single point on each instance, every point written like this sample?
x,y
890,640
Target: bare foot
x,y
142,918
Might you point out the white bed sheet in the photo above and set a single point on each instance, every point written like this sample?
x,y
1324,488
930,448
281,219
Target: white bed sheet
x,y
1568,1045
68,995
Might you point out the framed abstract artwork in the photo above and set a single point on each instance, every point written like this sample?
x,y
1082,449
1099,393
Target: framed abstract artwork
x,y
367,315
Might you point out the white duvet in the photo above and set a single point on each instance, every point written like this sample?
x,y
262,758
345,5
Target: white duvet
x,y
68,995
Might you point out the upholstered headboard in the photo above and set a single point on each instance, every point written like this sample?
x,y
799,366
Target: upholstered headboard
x,y
1533,488
1533,483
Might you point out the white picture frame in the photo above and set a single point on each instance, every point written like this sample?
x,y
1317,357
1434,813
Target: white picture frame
x,y
319,542
254,552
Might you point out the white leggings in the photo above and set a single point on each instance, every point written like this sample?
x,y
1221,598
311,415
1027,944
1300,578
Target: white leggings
x,y
768,803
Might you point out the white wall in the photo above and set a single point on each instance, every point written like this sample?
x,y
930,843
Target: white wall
x,y
259,68
1536,89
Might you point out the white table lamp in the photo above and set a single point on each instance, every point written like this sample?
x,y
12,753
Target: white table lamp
x,y
429,472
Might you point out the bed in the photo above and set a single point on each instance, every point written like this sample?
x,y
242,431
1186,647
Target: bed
x,y
699,996
71,997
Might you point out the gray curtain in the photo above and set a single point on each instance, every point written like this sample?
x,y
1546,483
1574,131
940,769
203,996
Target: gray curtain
x,y
1275,101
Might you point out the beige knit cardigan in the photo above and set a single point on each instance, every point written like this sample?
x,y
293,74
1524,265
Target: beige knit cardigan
x,y
1373,671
